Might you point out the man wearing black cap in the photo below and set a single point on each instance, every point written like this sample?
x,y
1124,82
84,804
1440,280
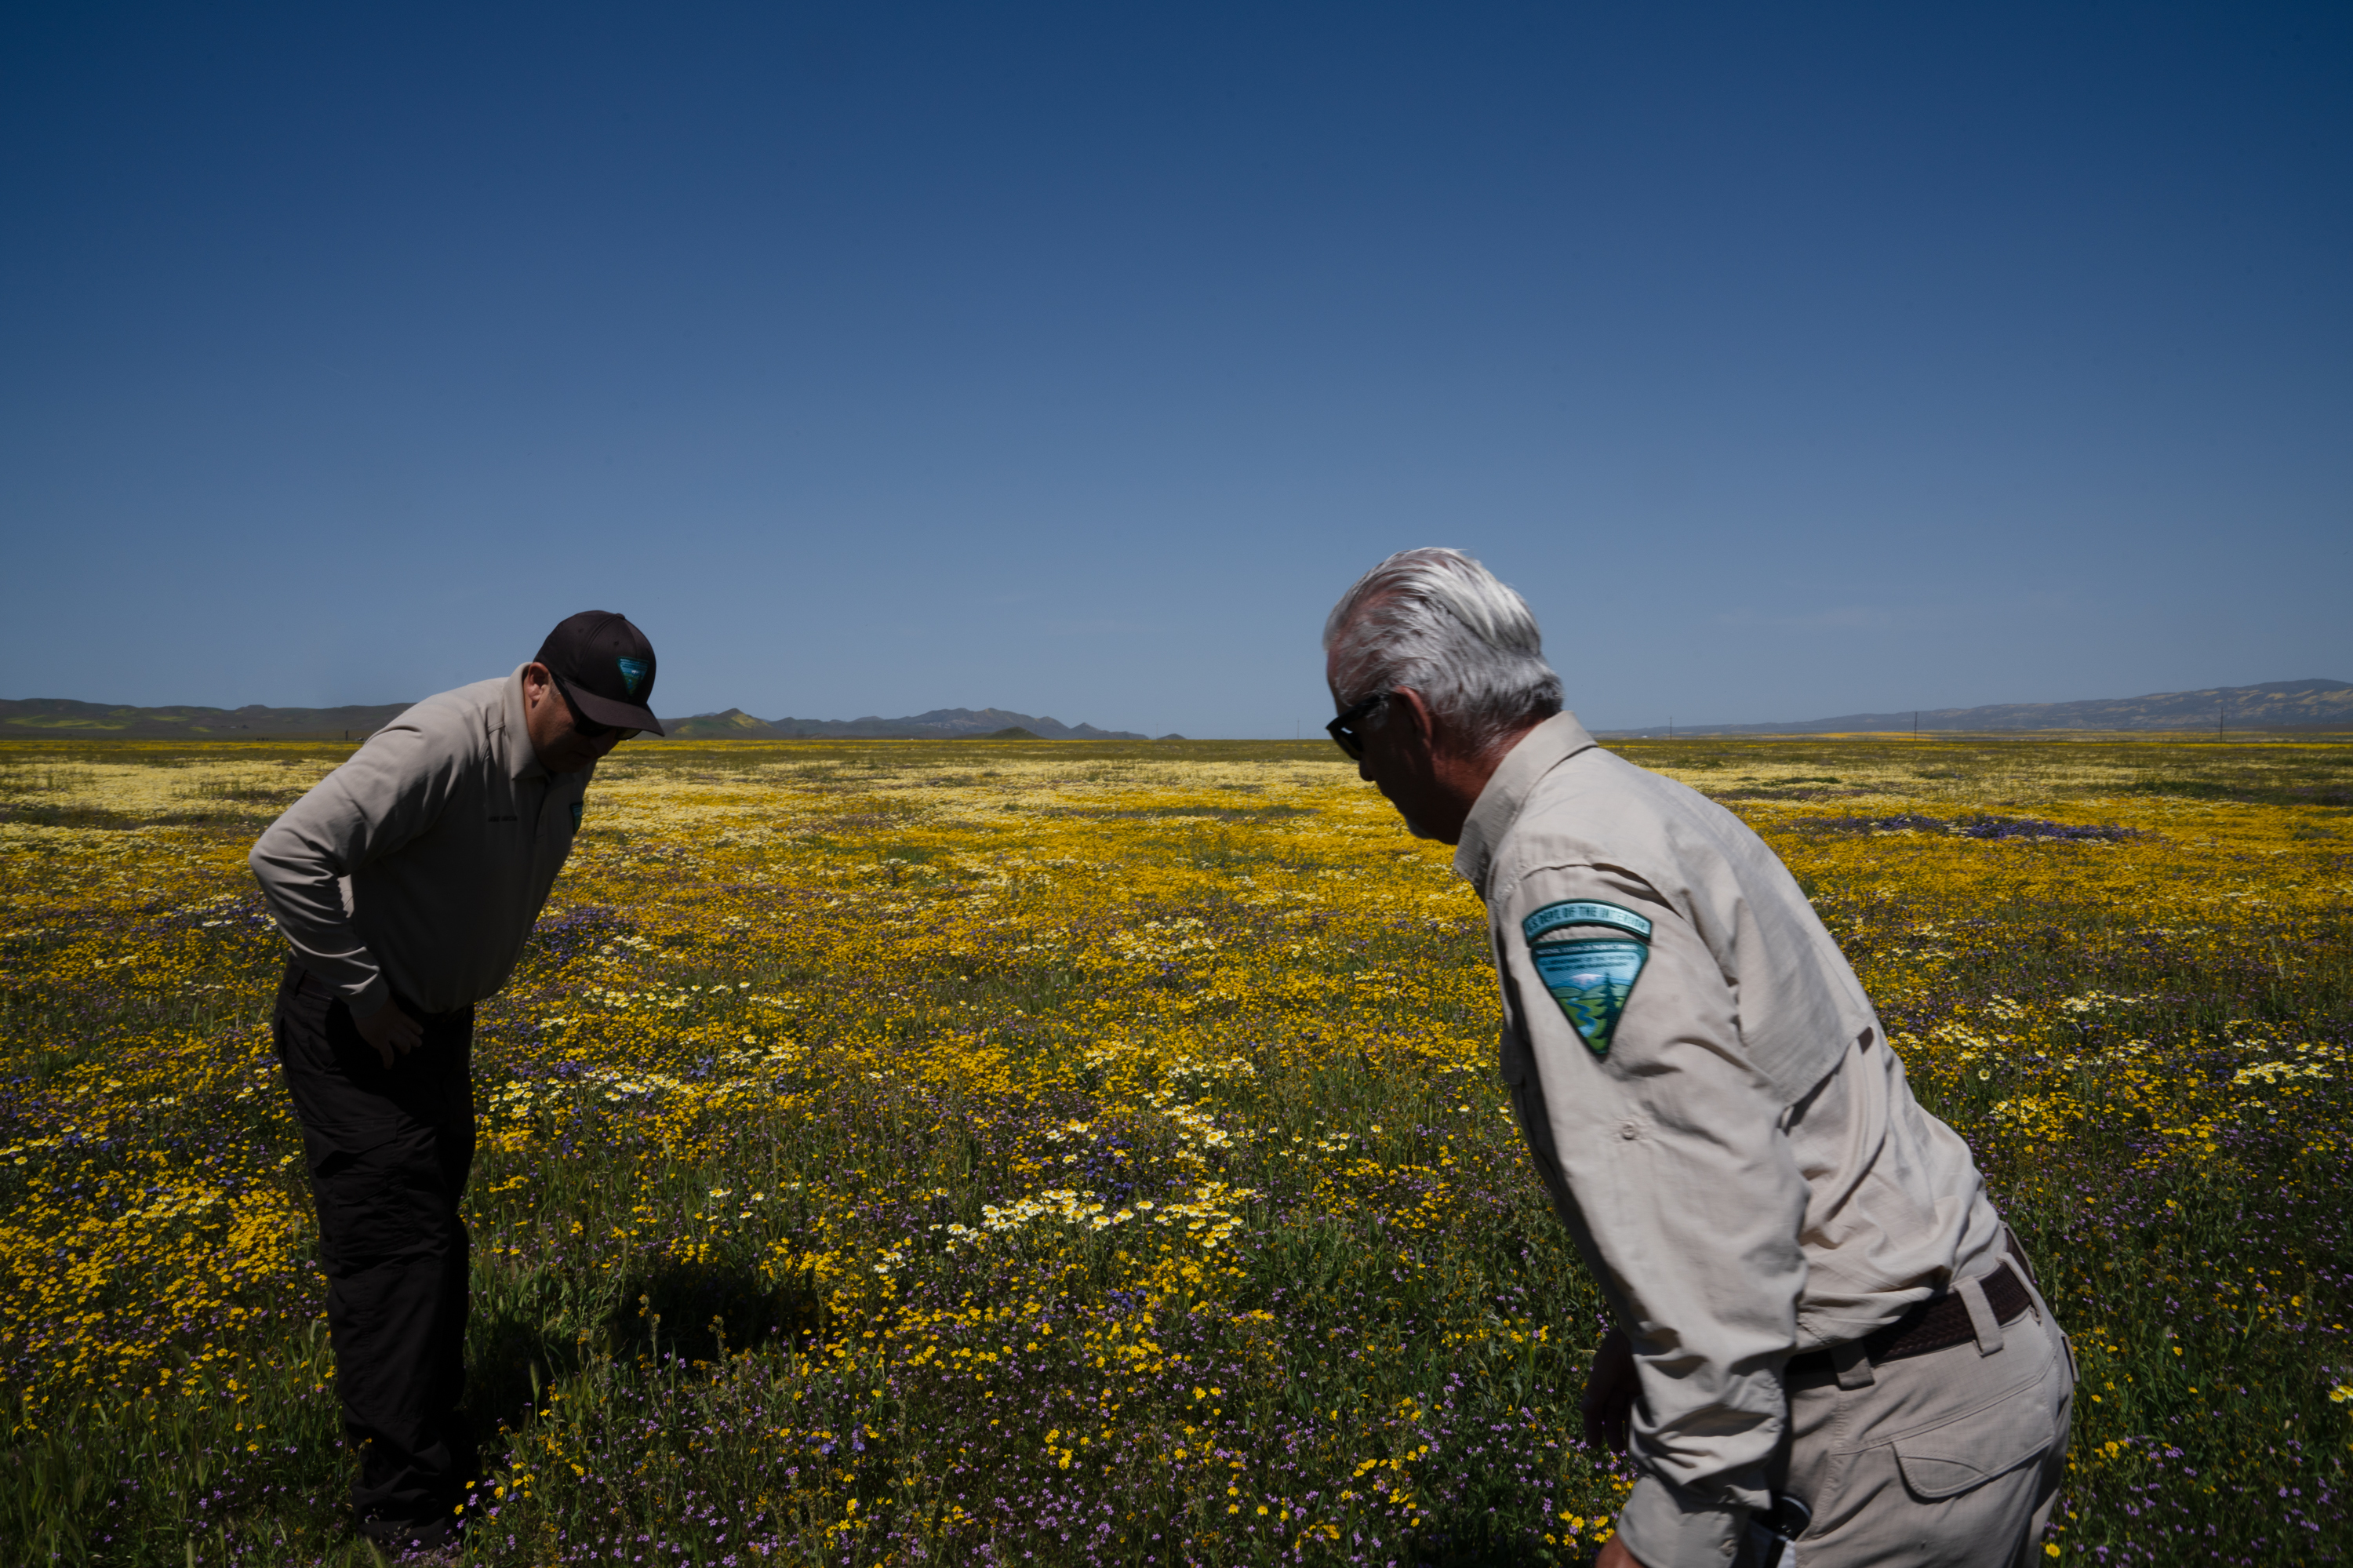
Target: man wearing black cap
x,y
406,882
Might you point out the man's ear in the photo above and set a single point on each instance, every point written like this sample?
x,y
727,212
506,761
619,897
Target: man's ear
x,y
1439,739
537,683
1407,703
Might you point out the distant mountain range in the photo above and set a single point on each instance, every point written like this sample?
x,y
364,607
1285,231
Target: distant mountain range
x,y
61,718
940,724
2275,705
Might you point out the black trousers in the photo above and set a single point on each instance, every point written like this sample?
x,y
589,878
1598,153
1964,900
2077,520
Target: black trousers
x,y
389,1149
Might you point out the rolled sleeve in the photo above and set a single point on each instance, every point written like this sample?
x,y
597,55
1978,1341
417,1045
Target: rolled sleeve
x,y
1672,1171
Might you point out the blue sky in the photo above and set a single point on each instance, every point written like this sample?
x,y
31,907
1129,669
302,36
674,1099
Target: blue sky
x,y
1792,361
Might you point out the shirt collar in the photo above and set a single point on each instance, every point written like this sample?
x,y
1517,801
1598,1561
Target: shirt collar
x,y
1538,752
521,758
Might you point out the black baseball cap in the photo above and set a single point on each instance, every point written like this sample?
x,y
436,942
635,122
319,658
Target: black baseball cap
x,y
606,668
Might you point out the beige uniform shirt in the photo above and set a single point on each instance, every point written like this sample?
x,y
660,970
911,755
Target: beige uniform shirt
x,y
422,862
1730,1140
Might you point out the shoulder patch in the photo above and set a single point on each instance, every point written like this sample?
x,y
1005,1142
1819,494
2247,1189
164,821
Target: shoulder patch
x,y
1589,975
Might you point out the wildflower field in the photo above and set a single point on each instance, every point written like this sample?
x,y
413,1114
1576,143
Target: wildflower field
x,y
1055,1152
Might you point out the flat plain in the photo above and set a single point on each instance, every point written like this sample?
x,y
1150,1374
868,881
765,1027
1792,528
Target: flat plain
x,y
1063,1152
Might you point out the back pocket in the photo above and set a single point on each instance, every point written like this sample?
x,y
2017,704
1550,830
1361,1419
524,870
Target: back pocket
x,y
1947,1461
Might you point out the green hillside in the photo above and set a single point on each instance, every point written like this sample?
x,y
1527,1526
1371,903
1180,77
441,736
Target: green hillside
x,y
2273,705
62,719
734,724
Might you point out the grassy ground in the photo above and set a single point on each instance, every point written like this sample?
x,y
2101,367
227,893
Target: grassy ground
x,y
1054,1152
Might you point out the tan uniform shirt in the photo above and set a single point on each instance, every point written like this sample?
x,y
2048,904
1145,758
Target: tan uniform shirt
x,y
1738,1156
422,862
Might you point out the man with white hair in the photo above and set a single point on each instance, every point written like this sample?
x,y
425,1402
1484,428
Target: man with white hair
x,y
1818,1313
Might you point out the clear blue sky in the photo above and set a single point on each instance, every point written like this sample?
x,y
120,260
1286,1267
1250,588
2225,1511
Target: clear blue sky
x,y
1793,360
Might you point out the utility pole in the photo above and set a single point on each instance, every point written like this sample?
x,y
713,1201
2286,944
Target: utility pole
x,y
1671,726
1915,724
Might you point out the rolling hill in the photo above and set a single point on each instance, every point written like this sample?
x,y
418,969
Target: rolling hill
x,y
2275,705
61,718
940,724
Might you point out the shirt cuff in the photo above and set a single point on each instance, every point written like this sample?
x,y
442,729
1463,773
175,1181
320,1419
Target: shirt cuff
x,y
1665,1527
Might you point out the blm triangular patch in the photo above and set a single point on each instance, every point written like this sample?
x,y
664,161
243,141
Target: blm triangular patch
x,y
1589,975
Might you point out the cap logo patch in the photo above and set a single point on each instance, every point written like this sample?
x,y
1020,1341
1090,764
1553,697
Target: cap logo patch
x,y
1589,975
633,671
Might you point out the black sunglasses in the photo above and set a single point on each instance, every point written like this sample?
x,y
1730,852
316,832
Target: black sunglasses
x,y
1343,730
583,725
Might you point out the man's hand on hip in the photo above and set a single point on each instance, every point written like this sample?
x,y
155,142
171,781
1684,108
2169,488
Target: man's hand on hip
x,y
392,1032
1613,1554
1609,1391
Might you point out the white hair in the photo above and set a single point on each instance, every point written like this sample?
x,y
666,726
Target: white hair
x,y
1436,621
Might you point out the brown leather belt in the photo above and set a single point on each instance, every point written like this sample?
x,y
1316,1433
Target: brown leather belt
x,y
1938,1323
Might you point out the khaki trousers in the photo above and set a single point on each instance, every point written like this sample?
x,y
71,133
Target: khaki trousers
x,y
1949,1458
